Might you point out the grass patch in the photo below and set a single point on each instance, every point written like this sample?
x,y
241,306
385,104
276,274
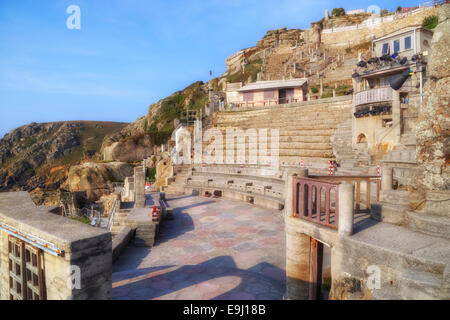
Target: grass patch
x,y
250,70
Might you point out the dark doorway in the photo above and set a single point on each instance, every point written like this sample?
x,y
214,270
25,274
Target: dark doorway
x,y
282,96
285,95
315,270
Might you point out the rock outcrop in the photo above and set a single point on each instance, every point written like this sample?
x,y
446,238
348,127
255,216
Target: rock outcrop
x,y
433,126
97,179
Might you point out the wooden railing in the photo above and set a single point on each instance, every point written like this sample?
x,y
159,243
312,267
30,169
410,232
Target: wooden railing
x,y
358,181
316,201
373,95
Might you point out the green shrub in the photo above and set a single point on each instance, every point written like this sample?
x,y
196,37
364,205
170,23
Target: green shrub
x,y
314,89
327,94
430,22
338,12
172,106
151,174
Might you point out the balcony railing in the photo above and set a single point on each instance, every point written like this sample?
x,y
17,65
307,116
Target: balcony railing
x,y
316,201
373,95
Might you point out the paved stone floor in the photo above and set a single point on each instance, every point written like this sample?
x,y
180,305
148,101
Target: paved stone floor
x,y
213,249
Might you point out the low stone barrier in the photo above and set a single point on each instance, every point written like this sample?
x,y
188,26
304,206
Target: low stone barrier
x,y
120,241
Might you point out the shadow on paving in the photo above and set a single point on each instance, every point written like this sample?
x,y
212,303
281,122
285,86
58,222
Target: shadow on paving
x,y
182,223
263,281
131,258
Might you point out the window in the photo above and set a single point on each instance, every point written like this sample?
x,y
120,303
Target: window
x,y
248,96
396,46
269,94
385,48
29,284
408,43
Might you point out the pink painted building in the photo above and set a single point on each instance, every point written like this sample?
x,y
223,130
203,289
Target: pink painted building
x,y
267,93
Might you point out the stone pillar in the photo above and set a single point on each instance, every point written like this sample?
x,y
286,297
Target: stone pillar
x,y
298,246
297,264
396,116
327,15
289,176
346,200
386,178
321,86
334,93
139,187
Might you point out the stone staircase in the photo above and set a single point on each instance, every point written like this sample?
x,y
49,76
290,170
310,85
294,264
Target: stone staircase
x,y
177,183
119,221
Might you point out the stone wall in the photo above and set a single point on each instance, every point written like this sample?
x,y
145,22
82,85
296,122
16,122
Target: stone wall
x,y
83,246
352,35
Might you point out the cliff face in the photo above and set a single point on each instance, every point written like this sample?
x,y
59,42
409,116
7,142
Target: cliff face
x,y
39,155
97,179
433,126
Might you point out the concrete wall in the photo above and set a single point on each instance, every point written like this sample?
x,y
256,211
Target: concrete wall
x,y
378,27
84,246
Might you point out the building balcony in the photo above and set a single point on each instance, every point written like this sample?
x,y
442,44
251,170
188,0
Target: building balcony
x,y
383,94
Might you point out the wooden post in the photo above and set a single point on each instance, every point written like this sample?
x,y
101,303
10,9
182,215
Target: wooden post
x,y
315,270
368,194
358,195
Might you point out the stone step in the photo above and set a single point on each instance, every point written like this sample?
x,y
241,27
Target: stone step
x,y
420,259
429,224
400,197
394,213
421,285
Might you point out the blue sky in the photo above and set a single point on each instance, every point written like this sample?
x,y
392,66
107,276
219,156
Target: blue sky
x,y
128,53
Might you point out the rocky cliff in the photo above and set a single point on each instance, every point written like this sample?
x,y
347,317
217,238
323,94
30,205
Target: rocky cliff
x,y
433,126
39,155
97,179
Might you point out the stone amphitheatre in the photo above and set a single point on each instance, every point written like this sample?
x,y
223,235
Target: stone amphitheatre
x,y
315,168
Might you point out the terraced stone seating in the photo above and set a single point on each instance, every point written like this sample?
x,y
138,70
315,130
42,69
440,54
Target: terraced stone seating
x,y
305,130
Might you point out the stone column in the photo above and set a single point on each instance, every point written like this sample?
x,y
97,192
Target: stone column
x,y
321,86
289,176
139,187
346,200
297,264
396,116
386,178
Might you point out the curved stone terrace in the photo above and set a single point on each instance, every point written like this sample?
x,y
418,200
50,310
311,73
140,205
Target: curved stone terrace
x,y
214,248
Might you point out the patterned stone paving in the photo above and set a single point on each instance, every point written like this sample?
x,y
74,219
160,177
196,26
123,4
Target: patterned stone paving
x,y
213,249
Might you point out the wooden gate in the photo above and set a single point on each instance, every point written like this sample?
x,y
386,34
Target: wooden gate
x,y
26,271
